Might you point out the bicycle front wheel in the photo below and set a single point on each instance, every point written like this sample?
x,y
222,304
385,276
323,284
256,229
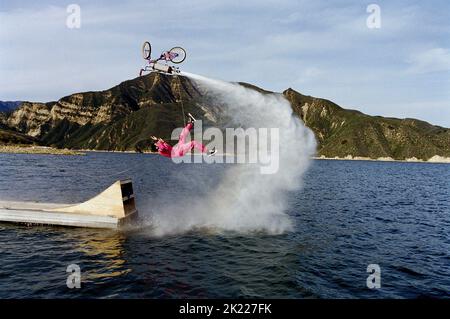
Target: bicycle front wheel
x,y
177,55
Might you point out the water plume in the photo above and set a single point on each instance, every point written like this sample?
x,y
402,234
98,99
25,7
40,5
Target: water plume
x,y
245,200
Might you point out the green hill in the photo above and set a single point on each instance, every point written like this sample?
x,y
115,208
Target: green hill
x,y
342,132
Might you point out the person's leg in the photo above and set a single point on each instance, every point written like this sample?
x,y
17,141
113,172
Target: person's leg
x,y
184,133
177,151
180,150
199,146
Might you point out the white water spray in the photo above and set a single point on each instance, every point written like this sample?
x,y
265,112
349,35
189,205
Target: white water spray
x,y
246,200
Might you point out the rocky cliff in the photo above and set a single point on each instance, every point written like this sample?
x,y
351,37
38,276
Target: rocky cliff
x,y
123,118
9,136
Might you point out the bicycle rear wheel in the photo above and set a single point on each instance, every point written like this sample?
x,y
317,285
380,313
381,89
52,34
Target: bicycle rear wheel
x,y
146,50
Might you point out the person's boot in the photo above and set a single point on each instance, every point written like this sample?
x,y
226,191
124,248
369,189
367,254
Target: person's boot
x,y
191,118
212,152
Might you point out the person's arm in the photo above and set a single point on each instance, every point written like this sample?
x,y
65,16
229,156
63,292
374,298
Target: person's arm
x,y
163,148
161,144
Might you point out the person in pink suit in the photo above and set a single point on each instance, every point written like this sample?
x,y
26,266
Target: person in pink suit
x,y
181,148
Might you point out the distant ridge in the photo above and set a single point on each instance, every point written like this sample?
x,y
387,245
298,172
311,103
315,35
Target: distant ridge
x,y
7,106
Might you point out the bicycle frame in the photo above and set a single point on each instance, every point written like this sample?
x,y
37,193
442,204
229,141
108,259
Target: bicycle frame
x,y
165,56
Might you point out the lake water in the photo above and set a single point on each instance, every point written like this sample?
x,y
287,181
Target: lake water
x,y
349,214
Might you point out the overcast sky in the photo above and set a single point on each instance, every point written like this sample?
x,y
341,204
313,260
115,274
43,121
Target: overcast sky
x,y
319,48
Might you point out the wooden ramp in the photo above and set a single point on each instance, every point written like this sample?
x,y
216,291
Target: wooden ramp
x,y
111,208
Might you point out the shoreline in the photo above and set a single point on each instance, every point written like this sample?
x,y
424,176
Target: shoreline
x,y
436,159
46,150
35,149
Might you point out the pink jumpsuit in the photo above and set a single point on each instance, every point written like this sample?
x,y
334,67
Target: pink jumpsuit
x,y
182,148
